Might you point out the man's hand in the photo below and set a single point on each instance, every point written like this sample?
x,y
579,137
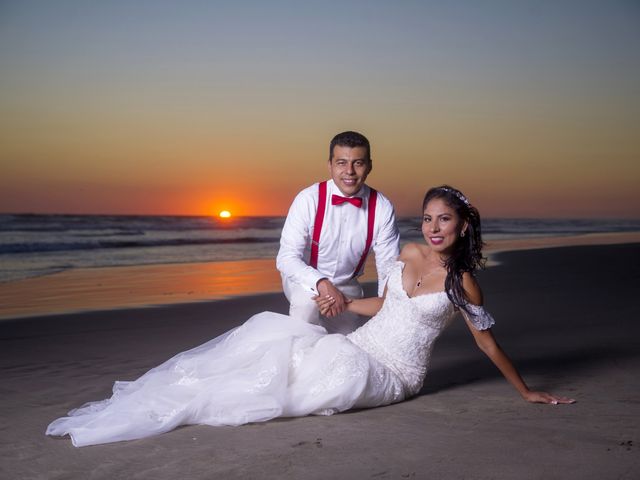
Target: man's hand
x,y
328,289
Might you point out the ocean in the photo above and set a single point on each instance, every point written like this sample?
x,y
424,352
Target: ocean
x,y
34,245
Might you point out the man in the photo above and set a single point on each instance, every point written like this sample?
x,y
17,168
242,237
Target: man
x,y
328,233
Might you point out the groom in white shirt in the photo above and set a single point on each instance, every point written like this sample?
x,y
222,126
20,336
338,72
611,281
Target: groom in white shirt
x,y
330,229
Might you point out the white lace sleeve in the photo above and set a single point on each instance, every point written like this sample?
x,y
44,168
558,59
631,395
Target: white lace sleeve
x,y
386,269
479,318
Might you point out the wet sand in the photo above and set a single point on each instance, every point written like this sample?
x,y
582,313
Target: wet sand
x,y
91,289
567,316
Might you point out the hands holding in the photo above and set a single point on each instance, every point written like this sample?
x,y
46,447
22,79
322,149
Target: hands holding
x,y
330,301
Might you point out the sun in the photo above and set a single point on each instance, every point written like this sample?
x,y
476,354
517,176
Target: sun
x,y
225,214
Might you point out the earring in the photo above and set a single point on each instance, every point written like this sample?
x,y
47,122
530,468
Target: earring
x,y
462,234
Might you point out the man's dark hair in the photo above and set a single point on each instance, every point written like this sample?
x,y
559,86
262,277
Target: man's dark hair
x,y
351,140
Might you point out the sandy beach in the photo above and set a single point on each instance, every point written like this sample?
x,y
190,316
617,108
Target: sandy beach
x,y
567,316
159,158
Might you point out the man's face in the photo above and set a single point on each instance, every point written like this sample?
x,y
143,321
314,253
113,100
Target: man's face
x,y
349,168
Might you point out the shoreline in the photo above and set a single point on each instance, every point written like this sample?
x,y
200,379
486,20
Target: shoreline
x,y
116,288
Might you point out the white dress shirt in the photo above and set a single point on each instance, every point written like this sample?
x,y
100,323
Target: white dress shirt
x,y
342,240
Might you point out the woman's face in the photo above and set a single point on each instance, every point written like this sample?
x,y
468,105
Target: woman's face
x,y
441,226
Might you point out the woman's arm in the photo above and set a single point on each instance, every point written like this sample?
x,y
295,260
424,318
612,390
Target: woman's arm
x,y
362,306
365,306
487,343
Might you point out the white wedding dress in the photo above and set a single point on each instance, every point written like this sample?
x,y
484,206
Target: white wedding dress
x,y
275,366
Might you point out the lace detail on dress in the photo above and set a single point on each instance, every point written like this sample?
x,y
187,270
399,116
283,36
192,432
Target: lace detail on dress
x,y
402,334
480,318
385,269
339,371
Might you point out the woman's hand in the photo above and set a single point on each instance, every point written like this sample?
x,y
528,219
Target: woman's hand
x,y
328,289
324,303
544,397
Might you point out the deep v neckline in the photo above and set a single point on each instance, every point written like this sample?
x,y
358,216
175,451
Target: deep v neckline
x,y
428,294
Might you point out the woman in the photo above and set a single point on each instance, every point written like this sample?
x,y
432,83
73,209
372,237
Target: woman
x,y
444,266
273,365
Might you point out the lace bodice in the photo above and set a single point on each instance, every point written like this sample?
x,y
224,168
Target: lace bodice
x,y
402,334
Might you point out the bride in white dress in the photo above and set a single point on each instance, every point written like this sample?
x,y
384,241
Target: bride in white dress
x,y
275,366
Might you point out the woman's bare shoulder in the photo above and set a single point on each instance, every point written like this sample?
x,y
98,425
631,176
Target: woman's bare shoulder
x,y
472,289
411,251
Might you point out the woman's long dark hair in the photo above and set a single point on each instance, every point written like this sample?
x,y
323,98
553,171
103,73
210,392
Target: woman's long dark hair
x,y
467,251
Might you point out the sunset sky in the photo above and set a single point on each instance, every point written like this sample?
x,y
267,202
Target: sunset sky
x,y
532,108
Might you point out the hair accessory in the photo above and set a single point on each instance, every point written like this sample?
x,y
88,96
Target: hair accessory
x,y
460,196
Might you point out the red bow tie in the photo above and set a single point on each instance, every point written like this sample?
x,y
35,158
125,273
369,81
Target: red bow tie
x,y
338,200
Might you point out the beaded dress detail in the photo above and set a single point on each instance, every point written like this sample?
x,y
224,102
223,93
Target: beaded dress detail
x,y
273,366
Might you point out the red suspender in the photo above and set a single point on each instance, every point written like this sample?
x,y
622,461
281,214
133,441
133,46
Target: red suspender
x,y
371,207
317,226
